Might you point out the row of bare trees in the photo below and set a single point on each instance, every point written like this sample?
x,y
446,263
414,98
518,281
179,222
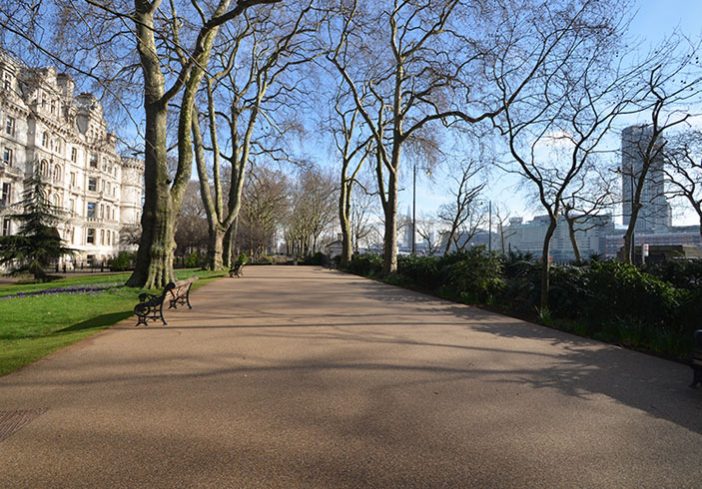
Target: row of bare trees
x,y
297,210
226,85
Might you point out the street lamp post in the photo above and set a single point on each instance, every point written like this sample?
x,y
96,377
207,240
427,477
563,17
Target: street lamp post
x,y
414,209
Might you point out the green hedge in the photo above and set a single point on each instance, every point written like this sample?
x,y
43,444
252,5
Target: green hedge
x,y
654,309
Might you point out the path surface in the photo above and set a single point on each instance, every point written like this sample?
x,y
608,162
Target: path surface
x,y
296,377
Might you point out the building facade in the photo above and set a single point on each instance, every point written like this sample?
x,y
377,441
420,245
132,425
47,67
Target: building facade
x,y
590,234
655,215
45,128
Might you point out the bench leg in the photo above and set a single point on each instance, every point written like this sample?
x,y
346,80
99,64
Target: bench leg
x,y
160,311
696,377
187,297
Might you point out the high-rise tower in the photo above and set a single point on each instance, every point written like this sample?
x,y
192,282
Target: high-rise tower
x,y
655,213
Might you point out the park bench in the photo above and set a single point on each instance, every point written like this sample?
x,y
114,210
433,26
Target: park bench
x,y
150,306
237,270
697,360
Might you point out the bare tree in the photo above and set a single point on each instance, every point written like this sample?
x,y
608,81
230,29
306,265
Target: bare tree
x,y
313,209
412,63
363,211
683,156
671,87
502,217
462,216
263,210
554,128
592,192
191,227
173,42
252,63
352,147
427,231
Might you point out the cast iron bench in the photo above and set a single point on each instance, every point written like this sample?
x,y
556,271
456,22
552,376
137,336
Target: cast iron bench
x,y
697,360
237,270
150,306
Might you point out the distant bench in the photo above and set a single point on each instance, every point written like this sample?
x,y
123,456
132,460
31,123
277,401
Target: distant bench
x,y
237,270
150,307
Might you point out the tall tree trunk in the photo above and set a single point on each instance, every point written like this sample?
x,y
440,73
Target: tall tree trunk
x,y
345,221
629,234
390,246
228,245
573,240
215,248
546,266
154,262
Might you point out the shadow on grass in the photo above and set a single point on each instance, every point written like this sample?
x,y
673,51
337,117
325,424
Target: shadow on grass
x,y
97,322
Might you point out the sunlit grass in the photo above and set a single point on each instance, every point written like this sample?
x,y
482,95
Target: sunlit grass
x,y
97,279
32,327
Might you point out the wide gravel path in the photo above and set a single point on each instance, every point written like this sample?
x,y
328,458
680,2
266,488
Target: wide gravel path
x,y
295,377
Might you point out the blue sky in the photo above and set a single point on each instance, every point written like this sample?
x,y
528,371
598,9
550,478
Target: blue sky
x,y
654,20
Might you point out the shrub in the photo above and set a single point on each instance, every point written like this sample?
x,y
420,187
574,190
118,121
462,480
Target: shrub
x,y
123,261
683,274
367,265
194,260
422,271
317,259
522,283
619,290
257,260
476,277
568,292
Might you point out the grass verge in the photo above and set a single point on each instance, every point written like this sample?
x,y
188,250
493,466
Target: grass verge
x,y
33,327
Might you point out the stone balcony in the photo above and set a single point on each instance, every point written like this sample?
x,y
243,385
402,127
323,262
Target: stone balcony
x,y
10,171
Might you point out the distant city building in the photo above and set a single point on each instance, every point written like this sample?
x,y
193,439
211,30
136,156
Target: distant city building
x,y
480,237
528,237
655,213
45,128
675,236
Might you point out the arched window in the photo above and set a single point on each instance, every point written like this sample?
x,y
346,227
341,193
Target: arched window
x,y
44,168
57,173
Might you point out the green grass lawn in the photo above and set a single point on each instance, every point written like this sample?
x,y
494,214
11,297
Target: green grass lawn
x,y
86,279
33,327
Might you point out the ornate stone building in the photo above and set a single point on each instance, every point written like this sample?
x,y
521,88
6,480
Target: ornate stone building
x,y
45,128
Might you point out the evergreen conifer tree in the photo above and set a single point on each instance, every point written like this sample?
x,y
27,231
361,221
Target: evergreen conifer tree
x,y
37,243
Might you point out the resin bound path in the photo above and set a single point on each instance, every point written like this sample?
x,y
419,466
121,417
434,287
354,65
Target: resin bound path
x,y
296,377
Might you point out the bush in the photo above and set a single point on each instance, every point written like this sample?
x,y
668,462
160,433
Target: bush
x,y
622,291
476,277
422,271
569,292
368,265
318,258
194,260
257,260
522,283
683,274
123,261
